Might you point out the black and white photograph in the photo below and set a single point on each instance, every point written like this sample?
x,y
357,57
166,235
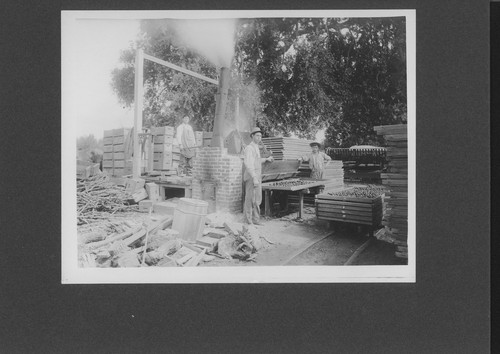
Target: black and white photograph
x,y
238,146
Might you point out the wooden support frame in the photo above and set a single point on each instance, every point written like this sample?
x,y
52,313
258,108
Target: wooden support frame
x,y
139,99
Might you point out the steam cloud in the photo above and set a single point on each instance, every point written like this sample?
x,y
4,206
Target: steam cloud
x,y
214,39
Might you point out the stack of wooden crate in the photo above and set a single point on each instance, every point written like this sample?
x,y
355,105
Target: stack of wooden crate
x,y
166,152
118,147
396,179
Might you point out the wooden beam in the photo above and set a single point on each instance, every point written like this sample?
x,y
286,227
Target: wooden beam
x,y
150,145
178,68
138,104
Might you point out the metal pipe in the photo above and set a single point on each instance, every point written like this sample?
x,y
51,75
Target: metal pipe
x,y
220,108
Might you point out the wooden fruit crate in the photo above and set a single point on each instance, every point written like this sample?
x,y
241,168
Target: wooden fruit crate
x,y
365,211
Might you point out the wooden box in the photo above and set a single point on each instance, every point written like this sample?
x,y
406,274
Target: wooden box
x,y
163,139
163,147
119,148
162,131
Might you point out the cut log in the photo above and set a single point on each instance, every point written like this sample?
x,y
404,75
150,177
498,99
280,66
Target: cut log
x,y
214,233
114,238
159,225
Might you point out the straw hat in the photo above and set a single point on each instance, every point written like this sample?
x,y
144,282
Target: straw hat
x,y
255,130
315,143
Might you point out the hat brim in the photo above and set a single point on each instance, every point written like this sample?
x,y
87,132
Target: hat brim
x,y
253,133
315,144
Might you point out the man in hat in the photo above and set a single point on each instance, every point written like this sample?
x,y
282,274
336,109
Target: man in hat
x,y
253,178
187,145
317,160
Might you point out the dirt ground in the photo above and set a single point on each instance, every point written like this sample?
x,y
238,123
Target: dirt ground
x,y
296,242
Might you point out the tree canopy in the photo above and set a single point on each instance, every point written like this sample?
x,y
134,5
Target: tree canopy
x,y
293,76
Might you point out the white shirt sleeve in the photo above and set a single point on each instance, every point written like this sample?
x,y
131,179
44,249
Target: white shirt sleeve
x,y
249,160
178,136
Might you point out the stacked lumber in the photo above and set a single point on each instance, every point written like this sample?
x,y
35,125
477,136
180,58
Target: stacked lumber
x,y
166,153
117,156
358,205
284,148
396,180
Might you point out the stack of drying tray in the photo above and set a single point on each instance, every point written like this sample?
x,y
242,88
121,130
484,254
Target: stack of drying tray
x,y
285,148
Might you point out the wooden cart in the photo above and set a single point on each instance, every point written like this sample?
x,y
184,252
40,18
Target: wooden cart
x,y
364,211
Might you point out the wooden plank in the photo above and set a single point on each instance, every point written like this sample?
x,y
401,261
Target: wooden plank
x,y
346,204
354,213
362,222
152,228
107,155
118,140
118,156
396,137
340,208
125,234
392,176
349,199
178,68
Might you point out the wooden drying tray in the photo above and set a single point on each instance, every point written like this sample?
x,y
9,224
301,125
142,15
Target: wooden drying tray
x,y
301,189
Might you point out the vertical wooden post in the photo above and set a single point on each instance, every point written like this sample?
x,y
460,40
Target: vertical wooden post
x,y
138,99
301,203
267,206
150,145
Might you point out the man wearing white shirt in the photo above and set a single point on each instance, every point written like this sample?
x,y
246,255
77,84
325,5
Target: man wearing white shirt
x,y
253,178
187,145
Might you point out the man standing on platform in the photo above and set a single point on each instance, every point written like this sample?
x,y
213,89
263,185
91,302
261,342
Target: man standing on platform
x,y
253,178
317,161
187,145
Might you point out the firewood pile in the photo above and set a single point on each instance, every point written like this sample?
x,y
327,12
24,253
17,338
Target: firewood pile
x,y
98,198
155,243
